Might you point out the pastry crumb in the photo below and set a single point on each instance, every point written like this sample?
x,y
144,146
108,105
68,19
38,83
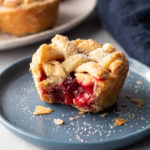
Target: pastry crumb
x,y
130,116
41,110
103,115
89,113
81,112
138,82
71,118
124,105
95,131
119,121
119,108
139,103
128,96
58,121
142,118
78,116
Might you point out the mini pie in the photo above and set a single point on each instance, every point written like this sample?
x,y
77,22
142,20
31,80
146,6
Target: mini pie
x,y
21,17
81,73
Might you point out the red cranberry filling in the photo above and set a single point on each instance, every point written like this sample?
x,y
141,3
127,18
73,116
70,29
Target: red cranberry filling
x,y
72,92
43,75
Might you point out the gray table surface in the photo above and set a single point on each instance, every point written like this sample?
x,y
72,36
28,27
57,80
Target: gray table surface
x,y
90,28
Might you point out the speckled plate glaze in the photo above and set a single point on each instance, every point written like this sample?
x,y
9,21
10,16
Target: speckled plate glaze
x,y
18,98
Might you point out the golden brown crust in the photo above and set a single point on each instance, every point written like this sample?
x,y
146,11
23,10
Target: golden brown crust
x,y
28,18
106,71
86,46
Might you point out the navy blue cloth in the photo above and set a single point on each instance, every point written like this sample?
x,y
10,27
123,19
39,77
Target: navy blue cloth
x,y
129,23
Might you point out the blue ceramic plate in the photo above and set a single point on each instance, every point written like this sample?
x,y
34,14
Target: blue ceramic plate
x,y
18,98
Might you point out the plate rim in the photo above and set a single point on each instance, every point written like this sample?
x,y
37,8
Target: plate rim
x,y
29,135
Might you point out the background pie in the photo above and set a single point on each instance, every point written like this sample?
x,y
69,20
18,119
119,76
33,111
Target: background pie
x,y
21,17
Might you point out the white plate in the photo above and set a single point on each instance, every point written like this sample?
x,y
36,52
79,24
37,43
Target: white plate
x,y
71,13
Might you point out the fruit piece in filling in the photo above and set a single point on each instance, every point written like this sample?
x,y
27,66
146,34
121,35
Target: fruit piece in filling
x,y
82,73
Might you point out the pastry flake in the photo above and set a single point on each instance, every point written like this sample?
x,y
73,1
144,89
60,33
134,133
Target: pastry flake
x,y
81,112
103,115
139,103
40,110
119,121
128,96
119,108
124,105
72,73
58,121
139,82
71,118
78,116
